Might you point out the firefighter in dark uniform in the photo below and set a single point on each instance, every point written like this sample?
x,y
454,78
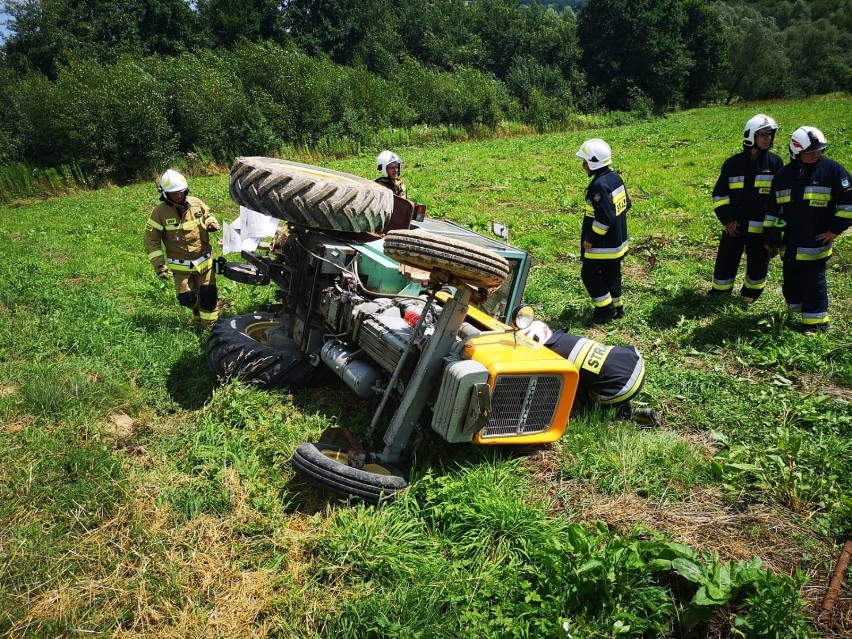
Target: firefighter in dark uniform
x,y
740,199
604,234
181,224
609,375
813,205
389,164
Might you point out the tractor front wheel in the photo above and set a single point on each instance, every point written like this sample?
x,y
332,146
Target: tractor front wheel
x,y
468,262
329,467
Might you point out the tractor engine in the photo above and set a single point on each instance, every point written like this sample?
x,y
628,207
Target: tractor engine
x,y
361,340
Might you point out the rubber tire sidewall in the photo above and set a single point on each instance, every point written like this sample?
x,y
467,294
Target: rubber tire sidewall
x,y
310,463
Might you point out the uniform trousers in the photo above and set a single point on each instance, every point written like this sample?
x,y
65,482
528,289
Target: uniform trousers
x,y
805,290
728,262
602,279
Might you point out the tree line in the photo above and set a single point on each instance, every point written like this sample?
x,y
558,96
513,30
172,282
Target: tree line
x,y
114,89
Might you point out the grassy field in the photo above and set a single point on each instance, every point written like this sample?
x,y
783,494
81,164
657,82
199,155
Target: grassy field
x,y
139,498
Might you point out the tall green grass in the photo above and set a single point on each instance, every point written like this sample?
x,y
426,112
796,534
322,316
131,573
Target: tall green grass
x,y
140,498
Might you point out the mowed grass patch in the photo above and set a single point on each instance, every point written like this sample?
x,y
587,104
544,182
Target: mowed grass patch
x,y
141,498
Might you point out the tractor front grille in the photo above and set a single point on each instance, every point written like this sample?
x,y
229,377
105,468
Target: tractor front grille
x,y
522,404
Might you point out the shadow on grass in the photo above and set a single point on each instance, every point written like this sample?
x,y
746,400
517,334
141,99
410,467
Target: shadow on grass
x,y
690,305
732,327
190,382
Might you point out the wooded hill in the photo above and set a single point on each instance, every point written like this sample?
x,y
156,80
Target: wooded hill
x,y
102,90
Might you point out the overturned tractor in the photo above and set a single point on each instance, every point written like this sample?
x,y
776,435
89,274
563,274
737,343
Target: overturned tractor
x,y
420,315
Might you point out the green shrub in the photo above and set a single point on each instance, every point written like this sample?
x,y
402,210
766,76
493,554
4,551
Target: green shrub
x,y
293,90
108,120
209,108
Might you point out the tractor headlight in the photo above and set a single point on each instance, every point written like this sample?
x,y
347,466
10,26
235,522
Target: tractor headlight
x,y
523,316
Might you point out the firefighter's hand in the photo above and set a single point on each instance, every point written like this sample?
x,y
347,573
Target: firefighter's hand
x,y
773,249
586,244
213,226
826,237
164,274
732,228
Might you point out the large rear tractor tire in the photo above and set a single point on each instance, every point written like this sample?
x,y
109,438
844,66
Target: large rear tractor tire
x,y
328,466
254,348
469,263
311,196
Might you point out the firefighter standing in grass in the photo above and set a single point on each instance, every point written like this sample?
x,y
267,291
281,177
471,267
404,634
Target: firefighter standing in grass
x,y
389,164
812,206
181,225
609,375
604,234
740,199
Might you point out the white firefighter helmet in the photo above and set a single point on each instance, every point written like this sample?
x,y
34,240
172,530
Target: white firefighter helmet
x,y
172,182
758,124
596,153
806,139
538,332
386,158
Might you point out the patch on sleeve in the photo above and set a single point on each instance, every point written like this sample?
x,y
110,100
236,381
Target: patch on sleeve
x,y
844,183
596,197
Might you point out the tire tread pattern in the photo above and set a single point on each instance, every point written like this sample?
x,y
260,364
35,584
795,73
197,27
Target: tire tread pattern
x,y
466,261
310,196
233,354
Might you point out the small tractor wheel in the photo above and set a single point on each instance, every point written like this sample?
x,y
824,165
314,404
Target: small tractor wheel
x,y
468,262
328,466
311,196
239,348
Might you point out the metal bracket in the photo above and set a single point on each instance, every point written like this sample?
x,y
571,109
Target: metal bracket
x,y
479,408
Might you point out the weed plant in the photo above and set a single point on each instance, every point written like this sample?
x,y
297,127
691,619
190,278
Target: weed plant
x,y
138,497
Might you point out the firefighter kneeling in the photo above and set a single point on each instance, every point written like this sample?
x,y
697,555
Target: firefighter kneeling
x,y
609,375
181,225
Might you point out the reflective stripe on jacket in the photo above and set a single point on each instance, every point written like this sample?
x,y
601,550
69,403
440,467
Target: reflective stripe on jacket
x,y
179,234
605,221
810,199
609,374
743,189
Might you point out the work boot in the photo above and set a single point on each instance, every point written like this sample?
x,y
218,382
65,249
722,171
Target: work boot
x,y
619,312
716,291
812,329
647,417
603,315
624,410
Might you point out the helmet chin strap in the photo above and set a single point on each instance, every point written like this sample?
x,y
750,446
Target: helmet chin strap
x,y
182,207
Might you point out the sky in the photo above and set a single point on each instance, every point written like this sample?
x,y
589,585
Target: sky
x,y
3,30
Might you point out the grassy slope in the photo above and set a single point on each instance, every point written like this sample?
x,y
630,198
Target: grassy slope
x,y
136,499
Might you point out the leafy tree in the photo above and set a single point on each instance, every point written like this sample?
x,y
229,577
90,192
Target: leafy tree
x,y
705,41
820,57
501,25
440,33
227,21
757,63
46,34
347,30
10,117
635,48
109,120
